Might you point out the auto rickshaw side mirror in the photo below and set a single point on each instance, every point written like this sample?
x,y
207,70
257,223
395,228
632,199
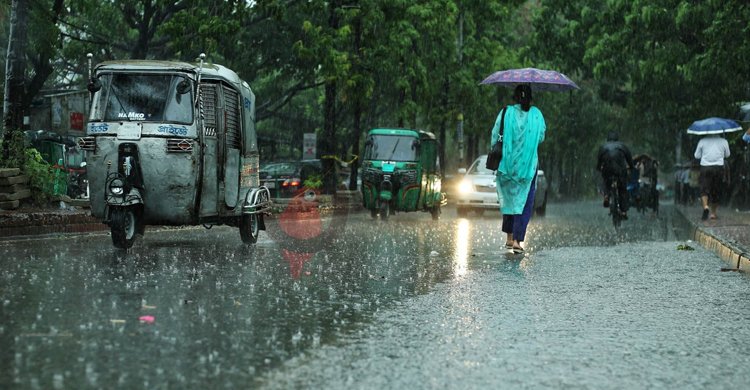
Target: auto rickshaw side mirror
x,y
94,85
183,87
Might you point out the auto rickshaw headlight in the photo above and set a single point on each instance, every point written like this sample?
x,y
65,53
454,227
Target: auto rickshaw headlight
x,y
116,187
465,186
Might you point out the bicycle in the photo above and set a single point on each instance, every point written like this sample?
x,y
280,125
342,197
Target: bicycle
x,y
614,203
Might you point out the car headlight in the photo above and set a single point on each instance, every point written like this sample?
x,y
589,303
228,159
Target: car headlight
x,y
465,186
116,187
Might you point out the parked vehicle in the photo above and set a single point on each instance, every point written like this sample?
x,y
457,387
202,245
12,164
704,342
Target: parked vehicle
x,y
63,154
400,172
286,179
477,190
172,143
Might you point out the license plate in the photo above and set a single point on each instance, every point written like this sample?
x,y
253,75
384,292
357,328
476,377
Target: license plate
x,y
270,184
129,131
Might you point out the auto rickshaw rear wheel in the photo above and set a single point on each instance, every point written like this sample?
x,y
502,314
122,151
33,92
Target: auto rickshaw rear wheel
x,y
250,228
124,225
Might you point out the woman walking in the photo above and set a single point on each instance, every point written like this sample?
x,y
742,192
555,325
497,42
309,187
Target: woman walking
x,y
524,129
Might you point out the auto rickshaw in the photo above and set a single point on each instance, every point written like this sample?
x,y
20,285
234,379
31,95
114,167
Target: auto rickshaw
x,y
172,143
400,172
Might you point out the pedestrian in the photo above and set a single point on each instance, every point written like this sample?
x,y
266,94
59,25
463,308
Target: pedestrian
x,y
746,136
524,129
711,151
694,182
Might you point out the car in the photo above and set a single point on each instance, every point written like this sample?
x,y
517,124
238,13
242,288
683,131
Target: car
x,y
477,191
285,179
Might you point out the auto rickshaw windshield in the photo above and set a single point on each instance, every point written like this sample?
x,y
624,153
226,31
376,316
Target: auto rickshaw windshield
x,y
143,98
391,148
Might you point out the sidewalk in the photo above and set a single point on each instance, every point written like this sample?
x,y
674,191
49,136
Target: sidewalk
x,y
76,217
34,221
728,236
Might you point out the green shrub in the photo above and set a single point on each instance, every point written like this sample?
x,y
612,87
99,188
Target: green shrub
x,y
16,155
41,177
314,181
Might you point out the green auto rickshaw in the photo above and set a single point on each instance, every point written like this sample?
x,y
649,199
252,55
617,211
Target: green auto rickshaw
x,y
400,172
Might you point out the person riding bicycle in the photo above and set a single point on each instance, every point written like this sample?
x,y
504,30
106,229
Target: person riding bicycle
x,y
614,161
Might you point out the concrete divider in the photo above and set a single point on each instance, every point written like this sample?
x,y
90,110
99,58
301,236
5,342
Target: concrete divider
x,y
736,257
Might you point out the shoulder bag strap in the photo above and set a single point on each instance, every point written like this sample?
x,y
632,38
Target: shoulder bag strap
x,y
502,125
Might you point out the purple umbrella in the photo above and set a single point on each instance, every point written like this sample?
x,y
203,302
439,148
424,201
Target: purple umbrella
x,y
543,80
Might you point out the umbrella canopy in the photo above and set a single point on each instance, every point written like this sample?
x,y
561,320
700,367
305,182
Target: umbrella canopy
x,y
745,112
713,126
543,80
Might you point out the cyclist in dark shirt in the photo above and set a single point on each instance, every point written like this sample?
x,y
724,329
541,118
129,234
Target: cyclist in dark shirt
x,y
614,161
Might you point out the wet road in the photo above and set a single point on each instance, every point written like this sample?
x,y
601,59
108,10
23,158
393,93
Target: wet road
x,y
408,303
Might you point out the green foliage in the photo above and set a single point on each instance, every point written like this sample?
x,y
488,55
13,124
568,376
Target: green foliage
x,y
313,181
32,165
40,176
15,150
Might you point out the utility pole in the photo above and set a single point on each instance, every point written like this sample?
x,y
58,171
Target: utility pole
x,y
460,124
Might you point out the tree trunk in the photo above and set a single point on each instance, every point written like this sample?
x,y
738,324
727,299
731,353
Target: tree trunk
x,y
328,143
15,67
357,125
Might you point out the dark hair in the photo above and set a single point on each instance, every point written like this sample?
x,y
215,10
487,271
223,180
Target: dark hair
x,y
522,96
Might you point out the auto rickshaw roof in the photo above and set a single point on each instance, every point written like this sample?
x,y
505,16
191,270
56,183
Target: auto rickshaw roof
x,y
210,70
405,132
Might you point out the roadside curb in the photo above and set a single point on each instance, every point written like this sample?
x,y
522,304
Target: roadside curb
x,y
734,255
19,225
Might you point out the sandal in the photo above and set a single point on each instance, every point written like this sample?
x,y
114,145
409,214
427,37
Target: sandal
x,y
517,250
508,245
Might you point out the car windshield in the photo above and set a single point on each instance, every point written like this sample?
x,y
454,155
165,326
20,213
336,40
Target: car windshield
x,y
143,98
478,168
391,148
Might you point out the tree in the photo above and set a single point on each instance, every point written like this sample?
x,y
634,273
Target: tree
x,y
15,67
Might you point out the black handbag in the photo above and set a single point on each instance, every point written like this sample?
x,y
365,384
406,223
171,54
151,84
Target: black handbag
x,y
496,153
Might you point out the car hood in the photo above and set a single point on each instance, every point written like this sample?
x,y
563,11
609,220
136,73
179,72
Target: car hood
x,y
481,180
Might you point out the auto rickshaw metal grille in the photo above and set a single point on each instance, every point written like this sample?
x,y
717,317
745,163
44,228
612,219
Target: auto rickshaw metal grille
x,y
179,145
232,118
209,109
407,177
87,143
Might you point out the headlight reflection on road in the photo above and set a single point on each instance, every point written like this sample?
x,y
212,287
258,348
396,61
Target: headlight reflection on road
x,y
461,260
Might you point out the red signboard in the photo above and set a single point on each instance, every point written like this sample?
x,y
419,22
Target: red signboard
x,y
76,121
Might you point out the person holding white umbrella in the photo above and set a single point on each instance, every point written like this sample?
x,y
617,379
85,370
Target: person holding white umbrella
x,y
712,149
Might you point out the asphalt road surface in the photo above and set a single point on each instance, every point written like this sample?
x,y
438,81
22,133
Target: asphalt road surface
x,y
343,301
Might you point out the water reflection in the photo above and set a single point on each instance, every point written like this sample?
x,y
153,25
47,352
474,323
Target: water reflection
x,y
461,258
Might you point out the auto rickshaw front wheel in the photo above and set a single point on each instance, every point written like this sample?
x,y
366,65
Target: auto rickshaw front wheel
x,y
385,210
124,225
250,228
435,211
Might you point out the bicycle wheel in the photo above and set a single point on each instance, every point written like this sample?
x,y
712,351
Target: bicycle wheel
x,y
614,204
